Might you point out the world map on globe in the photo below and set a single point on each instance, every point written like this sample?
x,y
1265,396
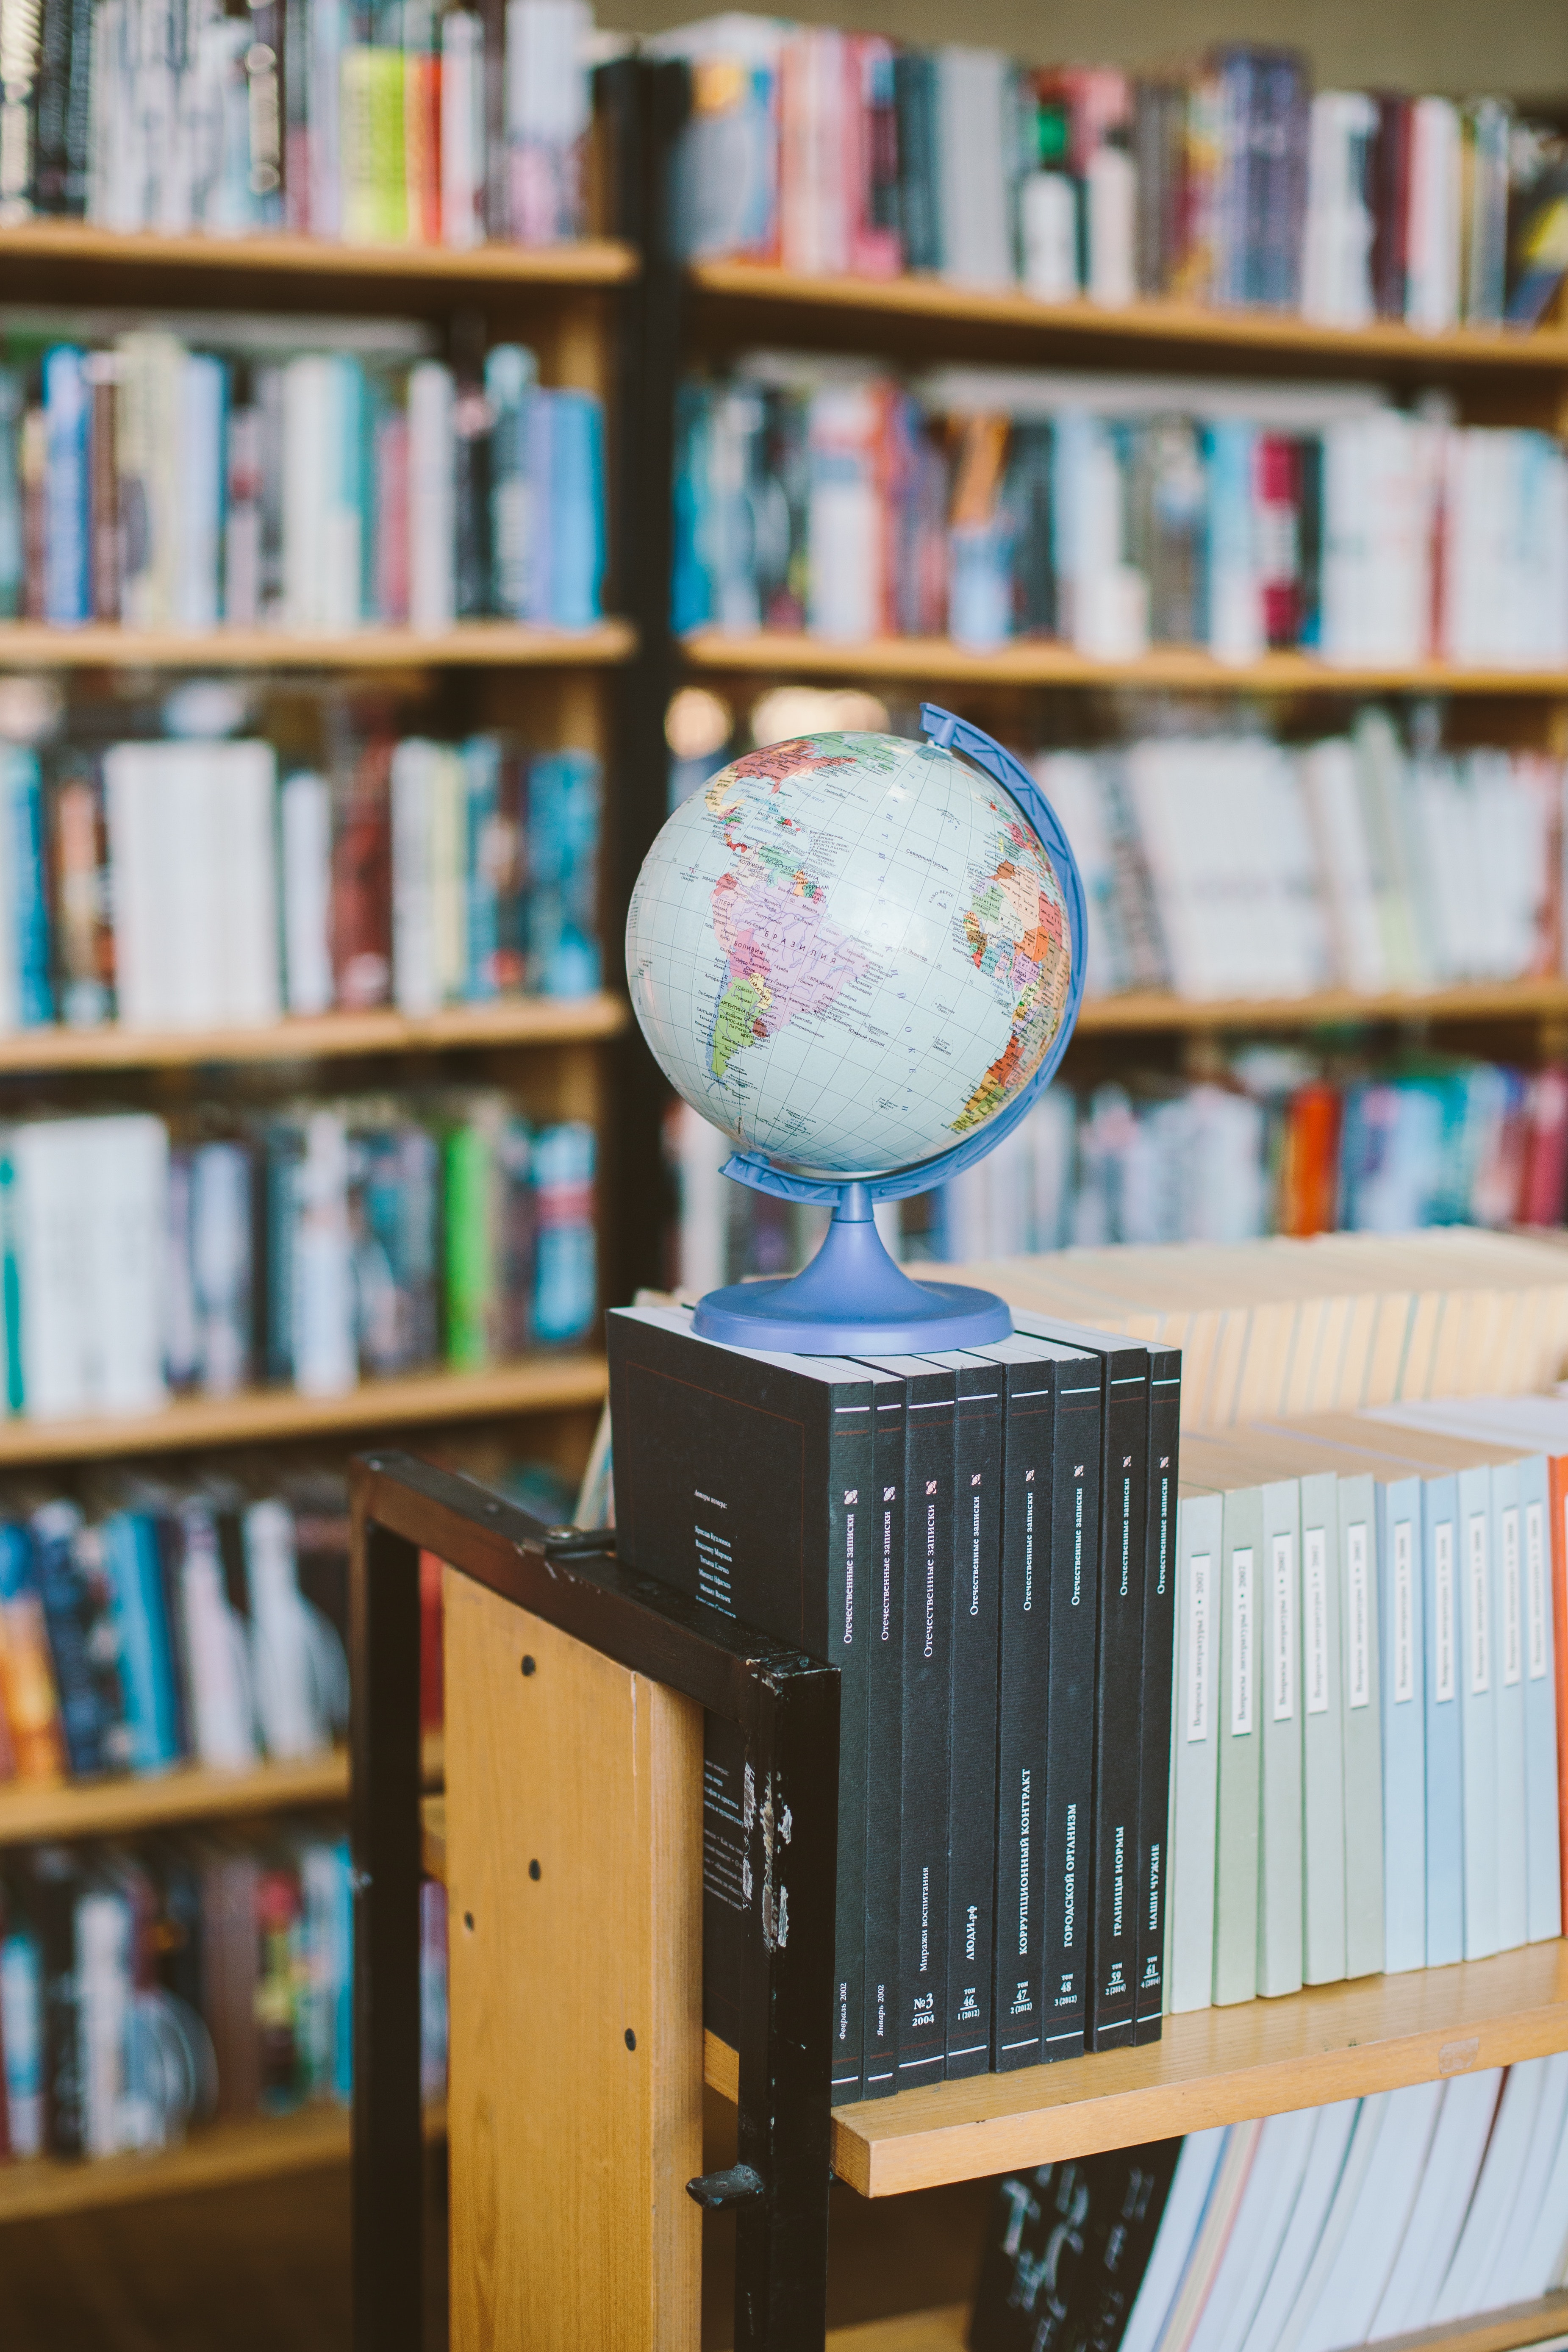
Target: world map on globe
x,y
848,952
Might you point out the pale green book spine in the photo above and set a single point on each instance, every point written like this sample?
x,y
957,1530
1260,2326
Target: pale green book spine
x,y
1196,1719
1322,1735
1236,1848
1279,1873
1361,1667
469,1244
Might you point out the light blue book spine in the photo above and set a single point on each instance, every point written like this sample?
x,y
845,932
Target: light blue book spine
x,y
1323,1734
481,779
1445,1803
1507,1539
1402,1616
1232,562
22,800
1365,1942
564,808
1279,1865
1543,1849
1478,1713
577,509
565,1265
67,410
344,1981
540,428
130,1555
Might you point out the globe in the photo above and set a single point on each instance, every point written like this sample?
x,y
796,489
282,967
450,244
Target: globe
x,y
850,952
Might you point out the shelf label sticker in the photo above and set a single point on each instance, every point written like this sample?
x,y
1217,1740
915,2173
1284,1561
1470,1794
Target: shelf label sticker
x,y
1479,1614
1283,1566
1535,1585
1198,1636
1404,1612
1241,1642
1358,1606
1315,1618
1512,1609
1443,1611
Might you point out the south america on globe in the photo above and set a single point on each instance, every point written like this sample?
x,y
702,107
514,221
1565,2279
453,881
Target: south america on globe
x,y
850,952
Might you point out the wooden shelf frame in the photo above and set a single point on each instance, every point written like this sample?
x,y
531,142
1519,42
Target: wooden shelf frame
x,y
771,653
503,1023
584,263
542,1383
1154,1013
130,1803
467,645
1153,326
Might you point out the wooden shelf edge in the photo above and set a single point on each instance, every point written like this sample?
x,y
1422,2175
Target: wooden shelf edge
x,y
189,1792
220,2156
433,1837
1043,663
541,1384
468,645
1156,323
942,2330
1155,1012
1214,2066
585,262
327,1037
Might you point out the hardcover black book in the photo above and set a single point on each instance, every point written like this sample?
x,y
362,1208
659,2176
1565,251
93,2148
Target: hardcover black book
x,y
971,1710
745,1480
930,1406
1158,1650
1067,2251
884,1734
1119,1671
52,1884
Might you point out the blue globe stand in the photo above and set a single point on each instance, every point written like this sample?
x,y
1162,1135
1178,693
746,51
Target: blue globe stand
x,y
852,1299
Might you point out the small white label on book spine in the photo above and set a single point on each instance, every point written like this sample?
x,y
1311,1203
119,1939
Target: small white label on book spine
x,y
1513,1613
1443,1598
1357,1600
1198,1568
1315,1618
1284,1567
1480,1616
1403,1613
1241,1642
1535,1585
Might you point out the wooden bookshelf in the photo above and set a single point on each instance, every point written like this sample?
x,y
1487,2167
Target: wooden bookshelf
x,y
219,2156
540,1383
1155,325
1154,1012
1214,2066
583,263
768,653
467,645
510,1021
132,1802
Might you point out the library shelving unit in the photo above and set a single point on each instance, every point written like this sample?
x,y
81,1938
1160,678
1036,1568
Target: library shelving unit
x,y
579,307
570,1829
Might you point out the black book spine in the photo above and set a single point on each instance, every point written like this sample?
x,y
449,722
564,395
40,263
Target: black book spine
x,y
1023,1664
971,1781
1158,1650
928,1647
1119,1683
914,76
1067,1807
885,1745
853,1518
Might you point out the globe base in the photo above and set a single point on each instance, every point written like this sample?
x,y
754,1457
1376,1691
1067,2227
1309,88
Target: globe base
x,y
852,1300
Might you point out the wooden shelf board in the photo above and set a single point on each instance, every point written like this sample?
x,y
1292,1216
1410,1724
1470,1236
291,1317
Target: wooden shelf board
x,y
329,1036
190,1792
433,1837
539,1384
1043,662
468,645
1150,1011
946,2330
589,262
1153,323
216,2156
1216,2066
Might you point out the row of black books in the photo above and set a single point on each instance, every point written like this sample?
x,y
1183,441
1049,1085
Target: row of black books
x,y
980,1542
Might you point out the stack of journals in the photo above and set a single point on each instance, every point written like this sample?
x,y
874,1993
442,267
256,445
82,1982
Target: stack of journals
x,y
308,1247
982,1543
1227,183
177,885
1330,2226
1115,513
418,126
177,475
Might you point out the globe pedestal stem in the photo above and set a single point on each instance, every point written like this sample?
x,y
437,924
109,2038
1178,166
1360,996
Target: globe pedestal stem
x,y
852,1300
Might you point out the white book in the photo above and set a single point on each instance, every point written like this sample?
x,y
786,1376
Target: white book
x,y
190,815
125,1180
1507,1541
1280,1867
1333,2127
1354,2288
325,1355
1432,268
1048,229
325,22
1243,1651
1352,2188
50,1209
245,783
1192,2185
1323,1781
102,1955
415,982
1284,2147
1442,2198
142,941
217,1663
1336,278
972,93
1345,861
288,1703
1361,1655
198,561
1200,1592
305,825
1539,2262
1110,193
432,496
462,129
1486,2222
1402,1630
1478,1712
1504,2282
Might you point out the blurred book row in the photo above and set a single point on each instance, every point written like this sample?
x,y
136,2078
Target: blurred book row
x,y
291,478
423,126
177,884
1227,181
303,1247
1114,513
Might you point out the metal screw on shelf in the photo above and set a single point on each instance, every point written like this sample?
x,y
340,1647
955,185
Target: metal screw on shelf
x,y
533,1870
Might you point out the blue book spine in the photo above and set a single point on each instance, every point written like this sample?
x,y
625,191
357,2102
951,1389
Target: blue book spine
x,y
344,1981
1445,1809
693,600
484,861
131,1551
577,510
1401,1658
1508,1617
564,807
1542,1851
539,434
565,1278
11,1283
67,410
67,1620
1478,1711
22,786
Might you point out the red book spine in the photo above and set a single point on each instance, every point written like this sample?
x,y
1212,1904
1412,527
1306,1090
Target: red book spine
x,y
362,885
1278,524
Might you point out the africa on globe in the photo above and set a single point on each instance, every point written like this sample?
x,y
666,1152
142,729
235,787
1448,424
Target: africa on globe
x,y
850,952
